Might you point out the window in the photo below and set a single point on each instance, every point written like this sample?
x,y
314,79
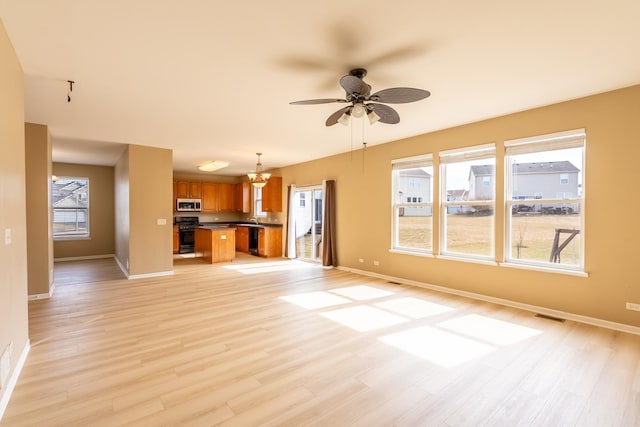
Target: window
x,y
302,200
257,202
70,202
564,178
467,203
548,228
412,186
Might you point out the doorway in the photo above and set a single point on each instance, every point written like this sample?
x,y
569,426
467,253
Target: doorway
x,y
308,220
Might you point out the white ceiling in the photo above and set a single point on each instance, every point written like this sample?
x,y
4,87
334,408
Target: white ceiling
x,y
212,80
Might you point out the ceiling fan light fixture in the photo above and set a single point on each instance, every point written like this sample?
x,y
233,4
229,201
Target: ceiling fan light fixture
x,y
258,178
358,110
373,117
344,119
212,165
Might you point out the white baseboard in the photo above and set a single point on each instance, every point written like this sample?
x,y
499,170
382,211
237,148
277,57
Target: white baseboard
x,y
81,258
5,394
34,297
508,303
141,276
144,276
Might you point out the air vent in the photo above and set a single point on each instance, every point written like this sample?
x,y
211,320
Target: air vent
x,y
544,316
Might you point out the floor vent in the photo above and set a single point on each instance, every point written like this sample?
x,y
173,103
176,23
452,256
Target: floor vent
x,y
544,316
394,283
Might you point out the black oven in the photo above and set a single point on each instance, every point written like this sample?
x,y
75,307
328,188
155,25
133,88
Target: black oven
x,y
187,233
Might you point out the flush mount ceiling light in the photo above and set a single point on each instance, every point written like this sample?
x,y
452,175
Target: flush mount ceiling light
x,y
258,178
212,165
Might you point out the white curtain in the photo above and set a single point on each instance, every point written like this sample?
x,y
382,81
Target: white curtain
x,y
290,249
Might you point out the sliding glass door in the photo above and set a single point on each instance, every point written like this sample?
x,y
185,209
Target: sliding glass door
x,y
308,213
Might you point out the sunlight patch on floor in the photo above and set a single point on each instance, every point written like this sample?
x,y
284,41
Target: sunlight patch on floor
x,y
414,307
484,328
313,300
361,292
364,318
270,266
440,347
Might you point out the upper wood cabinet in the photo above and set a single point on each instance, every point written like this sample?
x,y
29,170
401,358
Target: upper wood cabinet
x,y
217,197
226,197
242,200
272,195
188,190
209,197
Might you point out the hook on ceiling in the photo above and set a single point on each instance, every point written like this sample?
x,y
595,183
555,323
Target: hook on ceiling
x,y
71,82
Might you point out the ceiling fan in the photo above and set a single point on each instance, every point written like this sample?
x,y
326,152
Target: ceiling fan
x,y
362,101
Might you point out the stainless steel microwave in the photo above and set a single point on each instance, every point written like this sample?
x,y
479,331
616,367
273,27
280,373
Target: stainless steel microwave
x,y
188,205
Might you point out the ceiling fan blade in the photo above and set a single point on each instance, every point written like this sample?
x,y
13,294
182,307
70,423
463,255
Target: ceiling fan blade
x,y
386,113
317,101
333,119
399,95
352,84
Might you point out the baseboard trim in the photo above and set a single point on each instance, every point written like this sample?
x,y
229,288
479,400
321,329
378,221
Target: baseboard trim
x,y
80,258
141,276
11,384
146,275
505,302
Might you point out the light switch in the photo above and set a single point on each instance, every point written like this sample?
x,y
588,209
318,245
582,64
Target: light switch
x,y
162,221
7,236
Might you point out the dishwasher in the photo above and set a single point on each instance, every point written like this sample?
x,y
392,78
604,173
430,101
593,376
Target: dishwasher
x,y
254,232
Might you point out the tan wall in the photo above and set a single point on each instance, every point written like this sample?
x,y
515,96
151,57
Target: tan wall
x,y
611,210
38,193
121,209
101,213
151,199
13,257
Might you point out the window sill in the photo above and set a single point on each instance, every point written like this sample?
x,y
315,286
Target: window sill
x,y
410,252
567,271
467,259
66,239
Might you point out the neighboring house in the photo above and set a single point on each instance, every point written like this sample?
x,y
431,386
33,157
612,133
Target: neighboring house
x,y
481,182
414,186
536,180
454,196
70,203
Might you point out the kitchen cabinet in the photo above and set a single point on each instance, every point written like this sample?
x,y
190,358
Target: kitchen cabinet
x,y
176,239
242,199
270,242
272,195
242,239
216,244
188,190
209,197
226,197
217,197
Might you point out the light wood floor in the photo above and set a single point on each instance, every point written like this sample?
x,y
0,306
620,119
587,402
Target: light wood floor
x,y
283,343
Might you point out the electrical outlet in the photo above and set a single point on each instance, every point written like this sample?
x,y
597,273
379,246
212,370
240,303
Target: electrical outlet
x,y
7,236
632,306
161,221
360,260
376,263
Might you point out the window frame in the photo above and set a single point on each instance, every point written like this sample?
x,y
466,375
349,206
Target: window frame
x,y
409,163
540,144
87,212
459,155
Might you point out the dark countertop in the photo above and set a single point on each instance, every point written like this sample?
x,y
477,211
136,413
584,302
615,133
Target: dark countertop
x,y
237,223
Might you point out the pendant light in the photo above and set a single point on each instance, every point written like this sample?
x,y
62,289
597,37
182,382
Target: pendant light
x,y
258,178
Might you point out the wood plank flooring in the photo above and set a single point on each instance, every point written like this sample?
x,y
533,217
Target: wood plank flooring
x,y
284,343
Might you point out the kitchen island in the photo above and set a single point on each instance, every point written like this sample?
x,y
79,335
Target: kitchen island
x,y
215,243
